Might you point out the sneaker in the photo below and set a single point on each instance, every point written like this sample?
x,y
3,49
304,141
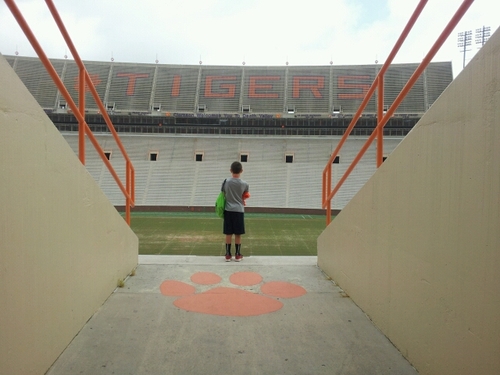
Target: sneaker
x,y
228,257
238,257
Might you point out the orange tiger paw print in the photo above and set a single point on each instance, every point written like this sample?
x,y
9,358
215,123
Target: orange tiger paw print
x,y
230,301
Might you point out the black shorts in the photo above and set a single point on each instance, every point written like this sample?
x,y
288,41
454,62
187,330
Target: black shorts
x,y
234,222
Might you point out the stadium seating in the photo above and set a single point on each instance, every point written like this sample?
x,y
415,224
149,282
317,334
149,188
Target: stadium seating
x,y
175,178
226,103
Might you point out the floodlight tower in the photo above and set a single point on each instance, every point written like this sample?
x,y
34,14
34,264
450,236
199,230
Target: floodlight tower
x,y
464,40
482,35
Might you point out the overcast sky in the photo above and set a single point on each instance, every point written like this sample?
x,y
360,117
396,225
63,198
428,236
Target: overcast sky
x,y
257,32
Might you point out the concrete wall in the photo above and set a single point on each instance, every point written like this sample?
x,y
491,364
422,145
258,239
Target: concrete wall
x,y
63,246
418,248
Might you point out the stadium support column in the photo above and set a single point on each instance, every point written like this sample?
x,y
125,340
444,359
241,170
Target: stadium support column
x,y
198,84
108,84
242,85
285,99
63,77
330,91
153,90
426,92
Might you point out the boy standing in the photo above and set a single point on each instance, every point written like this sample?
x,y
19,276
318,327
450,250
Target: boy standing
x,y
234,221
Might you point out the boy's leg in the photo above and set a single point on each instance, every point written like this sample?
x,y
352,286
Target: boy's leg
x,y
228,247
228,235
237,243
240,229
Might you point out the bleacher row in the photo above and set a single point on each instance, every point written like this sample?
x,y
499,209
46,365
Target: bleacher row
x,y
175,178
157,89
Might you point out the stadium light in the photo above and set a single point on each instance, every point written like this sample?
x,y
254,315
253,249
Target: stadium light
x,y
482,35
464,40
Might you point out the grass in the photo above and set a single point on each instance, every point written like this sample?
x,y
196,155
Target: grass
x,y
171,233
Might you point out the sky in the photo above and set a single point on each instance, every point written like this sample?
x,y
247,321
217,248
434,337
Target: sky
x,y
253,32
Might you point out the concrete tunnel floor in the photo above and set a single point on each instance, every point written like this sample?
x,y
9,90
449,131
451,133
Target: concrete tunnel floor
x,y
201,315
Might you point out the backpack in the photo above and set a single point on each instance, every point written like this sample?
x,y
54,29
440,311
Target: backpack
x,y
220,203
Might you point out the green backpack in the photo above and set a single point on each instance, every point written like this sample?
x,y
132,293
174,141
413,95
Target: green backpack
x,y
220,203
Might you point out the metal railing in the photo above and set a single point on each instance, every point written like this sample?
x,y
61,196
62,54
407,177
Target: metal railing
x,y
382,119
84,81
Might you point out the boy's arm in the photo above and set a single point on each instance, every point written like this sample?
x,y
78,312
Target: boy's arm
x,y
246,195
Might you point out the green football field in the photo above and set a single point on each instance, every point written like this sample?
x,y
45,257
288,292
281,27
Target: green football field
x,y
201,234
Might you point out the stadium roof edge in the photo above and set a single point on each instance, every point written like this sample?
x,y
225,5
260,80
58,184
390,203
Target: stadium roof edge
x,y
225,66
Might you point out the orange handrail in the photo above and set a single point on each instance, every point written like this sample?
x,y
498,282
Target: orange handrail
x,y
327,192
84,81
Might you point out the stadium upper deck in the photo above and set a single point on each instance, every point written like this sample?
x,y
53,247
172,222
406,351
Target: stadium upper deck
x,y
168,98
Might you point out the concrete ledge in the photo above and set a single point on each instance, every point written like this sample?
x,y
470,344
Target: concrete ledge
x,y
213,260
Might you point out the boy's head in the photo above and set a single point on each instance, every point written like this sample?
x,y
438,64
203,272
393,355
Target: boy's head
x,y
236,167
